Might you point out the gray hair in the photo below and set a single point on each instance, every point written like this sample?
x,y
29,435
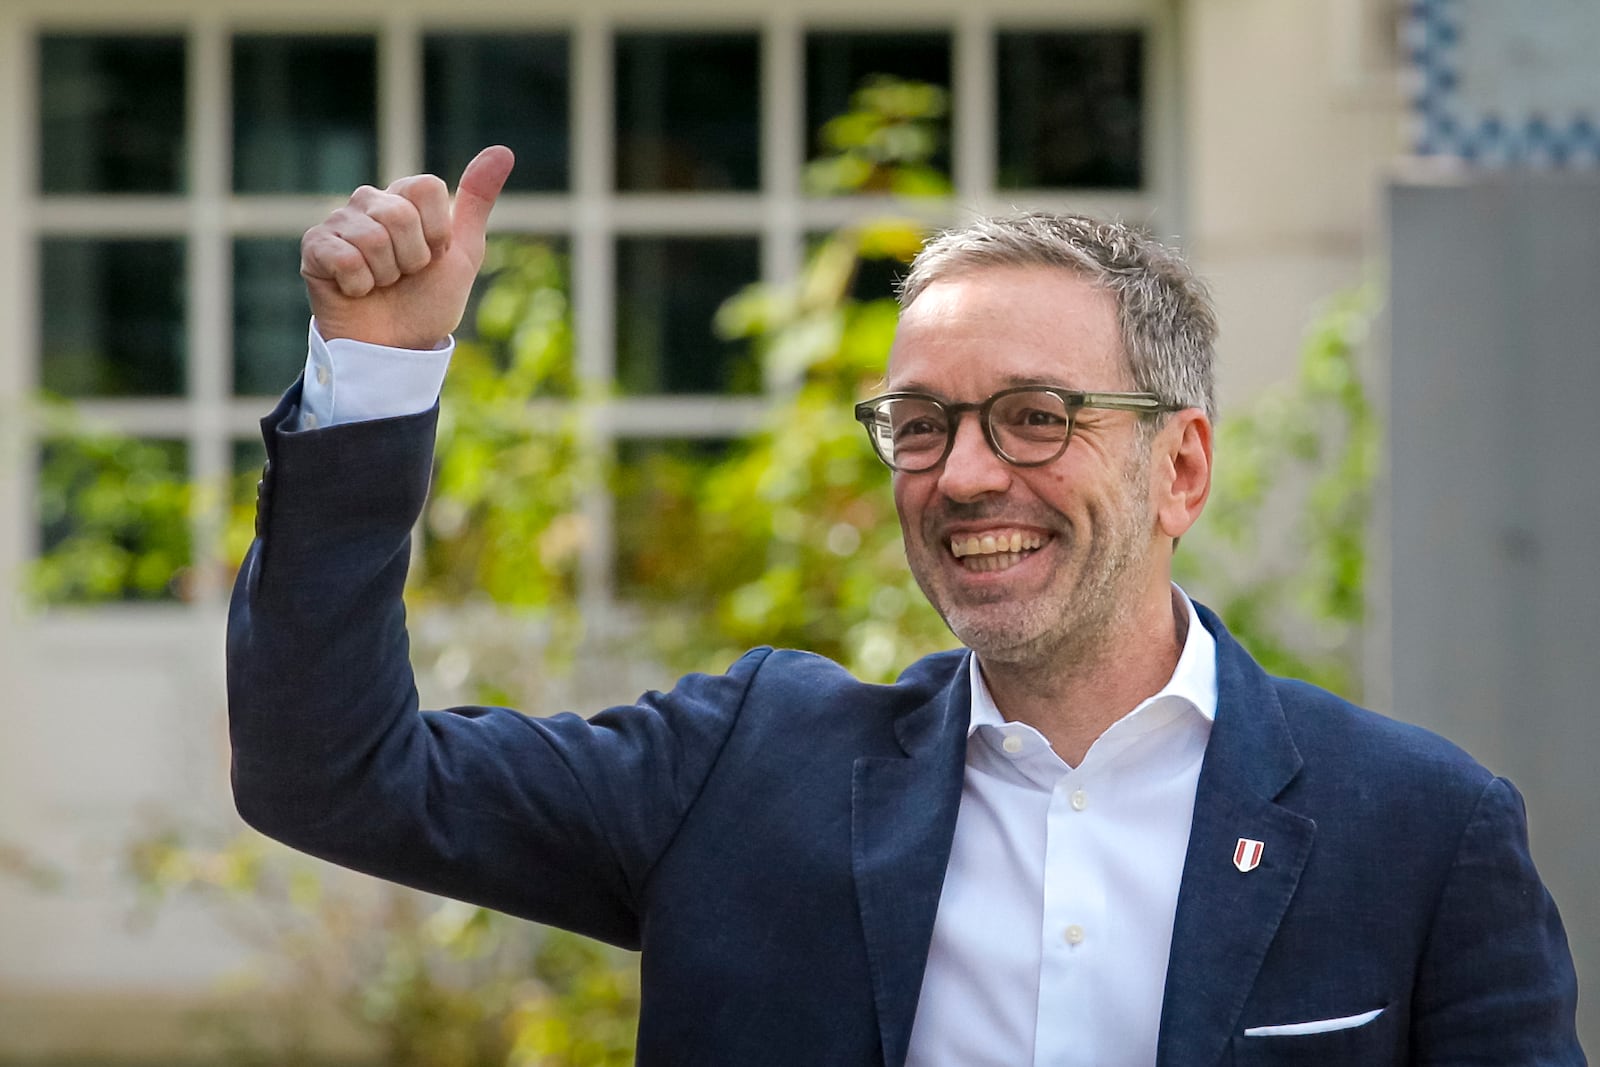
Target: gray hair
x,y
1164,312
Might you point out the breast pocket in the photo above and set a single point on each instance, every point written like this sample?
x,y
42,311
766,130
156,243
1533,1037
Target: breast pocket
x,y
1371,1044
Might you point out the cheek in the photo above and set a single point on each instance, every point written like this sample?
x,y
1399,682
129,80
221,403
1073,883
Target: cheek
x,y
1055,487
913,496
905,502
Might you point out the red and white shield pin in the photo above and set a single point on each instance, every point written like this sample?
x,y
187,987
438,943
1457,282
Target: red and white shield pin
x,y
1247,854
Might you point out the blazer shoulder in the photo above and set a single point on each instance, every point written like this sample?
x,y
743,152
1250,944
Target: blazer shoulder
x,y
807,677
812,699
1375,746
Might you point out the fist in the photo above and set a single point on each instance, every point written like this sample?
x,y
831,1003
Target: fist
x,y
394,266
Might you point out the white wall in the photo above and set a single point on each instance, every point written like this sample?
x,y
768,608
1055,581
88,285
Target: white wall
x,y
1292,116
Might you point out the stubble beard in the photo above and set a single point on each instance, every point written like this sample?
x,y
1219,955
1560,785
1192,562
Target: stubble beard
x,y
1079,616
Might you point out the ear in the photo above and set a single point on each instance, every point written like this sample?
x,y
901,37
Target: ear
x,y
1180,471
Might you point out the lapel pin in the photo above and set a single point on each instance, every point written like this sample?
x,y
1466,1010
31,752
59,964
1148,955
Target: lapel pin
x,y
1247,854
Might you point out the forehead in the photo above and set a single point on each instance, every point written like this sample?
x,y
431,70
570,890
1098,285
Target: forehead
x,y
981,330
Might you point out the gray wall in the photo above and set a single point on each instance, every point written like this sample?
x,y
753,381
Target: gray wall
x,y
1495,508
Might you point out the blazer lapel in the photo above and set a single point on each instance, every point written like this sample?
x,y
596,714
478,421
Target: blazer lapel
x,y
1227,917
903,820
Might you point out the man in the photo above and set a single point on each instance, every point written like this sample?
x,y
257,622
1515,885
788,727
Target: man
x,y
1102,837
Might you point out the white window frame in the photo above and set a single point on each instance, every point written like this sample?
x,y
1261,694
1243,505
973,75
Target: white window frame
x,y
591,215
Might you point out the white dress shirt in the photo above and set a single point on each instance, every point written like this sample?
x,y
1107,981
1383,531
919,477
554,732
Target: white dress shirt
x,y
350,381
1051,939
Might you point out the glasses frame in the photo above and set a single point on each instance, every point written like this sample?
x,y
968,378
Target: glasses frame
x,y
1074,400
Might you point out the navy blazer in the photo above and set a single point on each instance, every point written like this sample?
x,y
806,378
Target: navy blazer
x,y
774,839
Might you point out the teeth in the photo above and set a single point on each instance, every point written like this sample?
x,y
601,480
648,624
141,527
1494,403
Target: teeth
x,y
991,544
997,562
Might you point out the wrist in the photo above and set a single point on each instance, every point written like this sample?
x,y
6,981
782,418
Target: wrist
x,y
333,330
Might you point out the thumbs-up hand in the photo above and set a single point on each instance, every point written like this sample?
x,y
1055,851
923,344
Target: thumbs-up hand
x,y
395,266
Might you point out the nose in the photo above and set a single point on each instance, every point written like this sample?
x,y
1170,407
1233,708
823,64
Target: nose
x,y
972,470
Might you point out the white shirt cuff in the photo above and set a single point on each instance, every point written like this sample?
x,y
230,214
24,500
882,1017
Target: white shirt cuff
x,y
352,381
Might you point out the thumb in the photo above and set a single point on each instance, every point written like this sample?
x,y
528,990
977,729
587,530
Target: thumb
x,y
480,184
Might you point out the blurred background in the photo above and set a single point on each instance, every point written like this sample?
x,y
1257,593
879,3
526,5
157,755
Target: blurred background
x,y
647,461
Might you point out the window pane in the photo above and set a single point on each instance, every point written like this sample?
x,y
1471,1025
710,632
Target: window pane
x,y
837,64
270,315
502,89
111,114
304,114
688,111
113,520
668,291
655,511
112,317
1071,110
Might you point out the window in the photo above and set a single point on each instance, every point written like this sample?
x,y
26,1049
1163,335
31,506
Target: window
x,y
1071,111
269,315
111,114
688,111
510,89
178,164
838,63
304,113
668,291
112,313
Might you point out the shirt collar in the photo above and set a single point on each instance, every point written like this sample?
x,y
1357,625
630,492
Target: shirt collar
x,y
1194,679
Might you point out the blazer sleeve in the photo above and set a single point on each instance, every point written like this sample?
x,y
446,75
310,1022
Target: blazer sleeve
x,y
1496,983
559,820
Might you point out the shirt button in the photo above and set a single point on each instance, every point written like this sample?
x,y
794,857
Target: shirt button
x,y
1073,934
308,421
322,374
1080,800
1012,744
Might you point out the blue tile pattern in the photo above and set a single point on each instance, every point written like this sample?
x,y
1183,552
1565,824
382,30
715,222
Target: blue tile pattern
x,y
1453,122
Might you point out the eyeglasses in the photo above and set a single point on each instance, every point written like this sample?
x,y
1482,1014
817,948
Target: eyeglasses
x,y
1027,426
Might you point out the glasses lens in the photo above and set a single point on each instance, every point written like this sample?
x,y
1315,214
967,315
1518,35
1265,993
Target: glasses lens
x,y
1030,426
910,433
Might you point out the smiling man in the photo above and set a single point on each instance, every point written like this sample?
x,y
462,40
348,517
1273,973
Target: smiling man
x,y
1096,835
1076,623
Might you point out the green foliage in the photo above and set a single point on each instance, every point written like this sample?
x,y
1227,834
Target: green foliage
x,y
430,983
114,515
791,538
503,520
1309,450
884,143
